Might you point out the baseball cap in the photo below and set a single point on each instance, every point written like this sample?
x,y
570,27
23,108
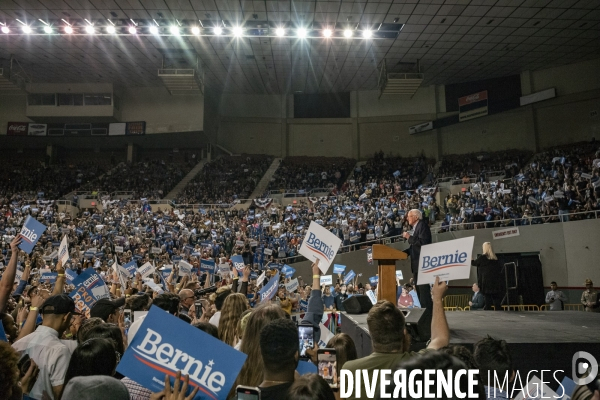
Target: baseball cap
x,y
104,307
58,304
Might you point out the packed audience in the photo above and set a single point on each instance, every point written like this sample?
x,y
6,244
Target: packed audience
x,y
303,174
557,182
463,166
225,180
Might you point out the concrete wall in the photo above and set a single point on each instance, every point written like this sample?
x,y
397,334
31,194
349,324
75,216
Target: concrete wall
x,y
12,109
569,253
320,138
161,111
568,79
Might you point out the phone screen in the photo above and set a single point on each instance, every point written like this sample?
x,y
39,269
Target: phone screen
x,y
248,393
198,305
326,365
306,338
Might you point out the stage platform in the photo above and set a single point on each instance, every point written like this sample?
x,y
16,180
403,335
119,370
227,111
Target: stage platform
x,y
537,339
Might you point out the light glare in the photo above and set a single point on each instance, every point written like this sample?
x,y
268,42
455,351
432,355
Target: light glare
x,y
217,30
90,30
154,30
47,29
238,31
110,29
367,34
327,33
174,30
68,30
196,30
132,30
26,29
5,29
348,33
280,31
302,33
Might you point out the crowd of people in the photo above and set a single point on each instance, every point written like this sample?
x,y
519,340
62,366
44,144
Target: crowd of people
x,y
477,165
225,180
555,183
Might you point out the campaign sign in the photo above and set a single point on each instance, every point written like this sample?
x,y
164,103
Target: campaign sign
x,y
30,234
399,275
292,285
370,255
338,269
118,249
18,275
374,280
131,267
270,289
238,262
207,266
326,280
371,296
450,260
63,250
89,288
288,271
2,334
49,277
268,252
146,270
185,268
349,276
155,250
164,344
303,305
320,244
70,275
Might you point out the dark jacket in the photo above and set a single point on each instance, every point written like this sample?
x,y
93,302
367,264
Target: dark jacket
x,y
478,301
420,237
490,278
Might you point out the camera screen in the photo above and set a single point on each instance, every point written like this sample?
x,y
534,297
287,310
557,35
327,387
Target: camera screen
x,y
327,367
306,336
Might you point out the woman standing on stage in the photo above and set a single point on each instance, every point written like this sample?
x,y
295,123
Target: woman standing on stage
x,y
489,277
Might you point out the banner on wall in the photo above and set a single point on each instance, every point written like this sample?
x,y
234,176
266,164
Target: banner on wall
x,y
117,129
473,106
16,128
37,129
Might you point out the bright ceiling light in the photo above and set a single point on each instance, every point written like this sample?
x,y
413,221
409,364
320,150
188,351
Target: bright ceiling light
x,y
302,33
132,30
348,33
238,31
90,30
48,29
68,30
196,30
5,29
367,34
174,30
154,30
280,31
217,30
327,33
110,29
26,29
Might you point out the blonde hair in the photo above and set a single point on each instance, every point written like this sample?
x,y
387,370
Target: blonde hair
x,y
233,307
488,251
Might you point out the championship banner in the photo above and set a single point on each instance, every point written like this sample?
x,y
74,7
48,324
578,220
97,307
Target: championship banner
x,y
288,271
63,250
473,106
146,270
292,285
320,244
207,266
270,289
89,288
164,344
30,234
450,260
238,262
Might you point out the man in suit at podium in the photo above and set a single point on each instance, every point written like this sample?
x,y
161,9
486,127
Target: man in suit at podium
x,y
420,236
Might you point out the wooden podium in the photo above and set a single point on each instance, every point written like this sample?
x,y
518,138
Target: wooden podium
x,y
386,288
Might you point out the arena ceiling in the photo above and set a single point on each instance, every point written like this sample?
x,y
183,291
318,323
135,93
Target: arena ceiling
x,y
454,40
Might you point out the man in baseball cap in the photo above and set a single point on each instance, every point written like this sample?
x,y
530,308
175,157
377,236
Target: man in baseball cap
x,y
108,310
45,348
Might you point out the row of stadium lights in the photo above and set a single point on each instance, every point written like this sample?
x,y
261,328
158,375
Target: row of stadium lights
x,y
175,30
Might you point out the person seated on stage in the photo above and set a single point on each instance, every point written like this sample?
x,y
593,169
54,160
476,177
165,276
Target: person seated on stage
x,y
410,290
493,358
279,351
477,302
390,338
556,298
328,299
590,298
405,300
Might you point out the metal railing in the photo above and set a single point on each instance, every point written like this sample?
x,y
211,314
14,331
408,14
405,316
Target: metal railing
x,y
523,221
